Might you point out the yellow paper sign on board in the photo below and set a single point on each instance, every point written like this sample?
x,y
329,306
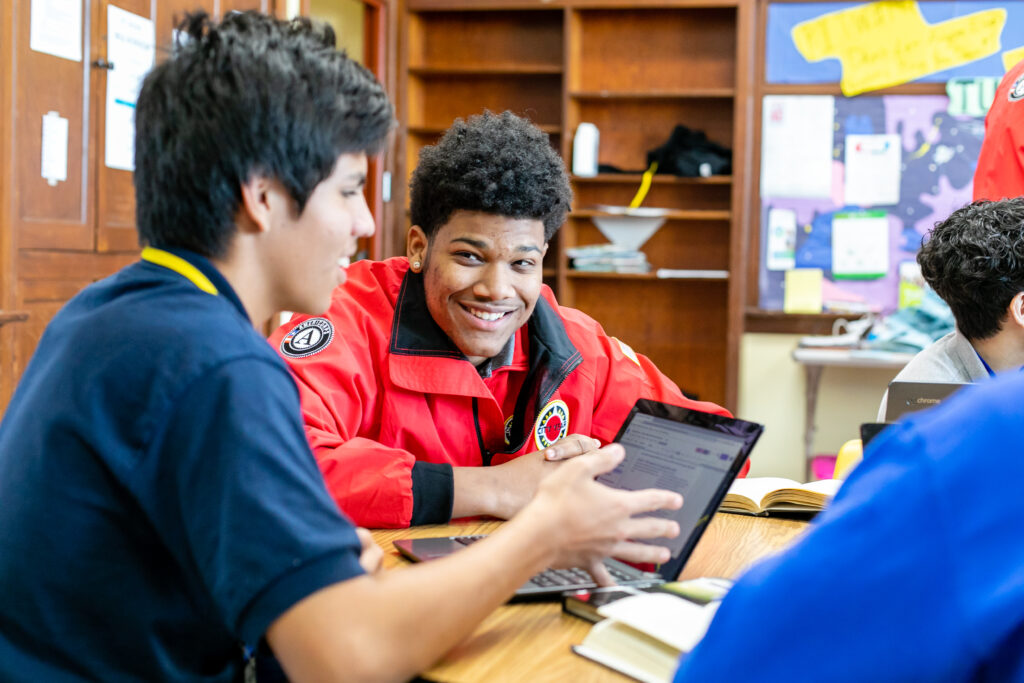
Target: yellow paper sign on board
x,y
803,290
886,43
1011,57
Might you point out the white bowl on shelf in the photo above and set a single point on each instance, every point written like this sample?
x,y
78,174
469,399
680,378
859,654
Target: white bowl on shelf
x,y
629,228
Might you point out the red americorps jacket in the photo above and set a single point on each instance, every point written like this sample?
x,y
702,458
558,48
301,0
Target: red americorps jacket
x,y
1000,171
391,405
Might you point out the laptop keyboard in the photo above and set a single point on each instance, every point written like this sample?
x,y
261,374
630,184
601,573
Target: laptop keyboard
x,y
551,578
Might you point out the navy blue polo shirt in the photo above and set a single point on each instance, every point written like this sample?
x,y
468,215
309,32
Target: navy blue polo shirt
x,y
159,505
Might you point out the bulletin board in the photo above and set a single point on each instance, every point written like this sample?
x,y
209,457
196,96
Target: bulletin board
x,y
851,182
867,46
938,153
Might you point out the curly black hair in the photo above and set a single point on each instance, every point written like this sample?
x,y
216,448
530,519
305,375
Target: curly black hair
x,y
974,260
249,95
499,164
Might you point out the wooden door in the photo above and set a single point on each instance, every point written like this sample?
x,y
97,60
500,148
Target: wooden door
x,y
56,238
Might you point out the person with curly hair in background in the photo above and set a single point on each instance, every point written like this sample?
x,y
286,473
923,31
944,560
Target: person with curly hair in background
x,y
974,260
447,383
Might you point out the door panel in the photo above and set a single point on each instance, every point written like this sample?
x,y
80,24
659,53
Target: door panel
x,y
55,240
57,215
115,195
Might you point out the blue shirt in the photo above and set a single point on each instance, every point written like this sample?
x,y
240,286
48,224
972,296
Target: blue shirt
x,y
160,506
915,573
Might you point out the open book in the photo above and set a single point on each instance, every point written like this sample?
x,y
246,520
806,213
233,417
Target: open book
x,y
644,635
774,495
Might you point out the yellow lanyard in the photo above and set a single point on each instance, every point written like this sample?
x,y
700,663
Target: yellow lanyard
x,y
180,266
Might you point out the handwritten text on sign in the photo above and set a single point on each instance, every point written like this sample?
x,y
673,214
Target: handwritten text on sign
x,y
882,44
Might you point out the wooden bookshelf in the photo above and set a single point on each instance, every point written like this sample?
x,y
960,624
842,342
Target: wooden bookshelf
x,y
671,214
696,93
635,71
635,178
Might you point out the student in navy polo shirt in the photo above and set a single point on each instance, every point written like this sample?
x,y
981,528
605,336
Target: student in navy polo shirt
x,y
161,511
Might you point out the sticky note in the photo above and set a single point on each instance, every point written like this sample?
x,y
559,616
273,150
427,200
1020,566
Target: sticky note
x,y
803,291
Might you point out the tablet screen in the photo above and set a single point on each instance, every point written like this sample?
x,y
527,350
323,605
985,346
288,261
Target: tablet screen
x,y
697,460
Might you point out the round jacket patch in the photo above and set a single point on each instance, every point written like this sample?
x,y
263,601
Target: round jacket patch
x,y
1017,91
552,424
307,338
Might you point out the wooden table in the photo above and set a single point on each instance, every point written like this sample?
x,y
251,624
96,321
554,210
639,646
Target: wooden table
x,y
530,642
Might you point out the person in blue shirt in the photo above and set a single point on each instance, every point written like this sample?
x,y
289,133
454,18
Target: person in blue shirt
x,y
160,510
914,573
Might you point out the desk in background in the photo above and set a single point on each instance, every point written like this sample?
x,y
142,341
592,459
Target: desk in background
x,y
530,641
814,361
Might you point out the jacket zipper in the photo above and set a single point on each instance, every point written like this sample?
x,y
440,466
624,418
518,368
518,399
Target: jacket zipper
x,y
485,455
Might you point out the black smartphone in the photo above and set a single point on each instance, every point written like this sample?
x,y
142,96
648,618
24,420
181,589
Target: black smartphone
x,y
584,603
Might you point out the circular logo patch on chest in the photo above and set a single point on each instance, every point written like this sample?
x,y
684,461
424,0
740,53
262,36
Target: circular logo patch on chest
x,y
552,424
1017,91
307,338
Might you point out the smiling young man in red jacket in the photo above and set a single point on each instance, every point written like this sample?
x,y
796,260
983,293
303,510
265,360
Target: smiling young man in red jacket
x,y
446,384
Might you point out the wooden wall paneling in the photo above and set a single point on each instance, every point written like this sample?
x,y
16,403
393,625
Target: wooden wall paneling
x,y
47,279
49,216
7,280
48,264
38,215
115,195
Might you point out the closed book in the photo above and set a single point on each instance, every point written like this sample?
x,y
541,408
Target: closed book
x,y
644,636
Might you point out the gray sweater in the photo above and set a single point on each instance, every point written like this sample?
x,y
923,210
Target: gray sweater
x,y
949,359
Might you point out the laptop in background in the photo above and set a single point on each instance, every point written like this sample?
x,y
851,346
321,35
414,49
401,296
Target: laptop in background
x,y
869,430
909,397
696,454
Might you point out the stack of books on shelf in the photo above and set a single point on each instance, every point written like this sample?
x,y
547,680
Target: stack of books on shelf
x,y
607,258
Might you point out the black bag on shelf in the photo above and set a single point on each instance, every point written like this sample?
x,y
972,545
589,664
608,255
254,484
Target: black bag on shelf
x,y
689,153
